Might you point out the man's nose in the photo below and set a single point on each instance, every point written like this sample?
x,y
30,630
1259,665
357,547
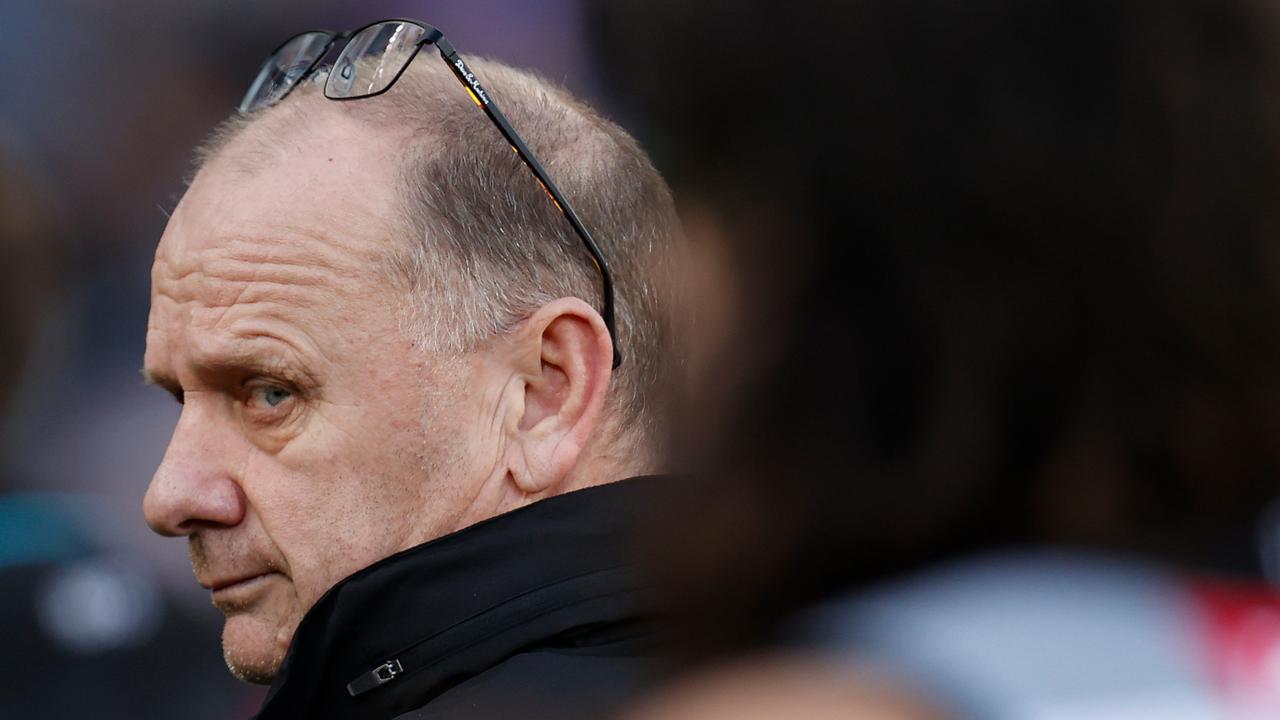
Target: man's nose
x,y
195,485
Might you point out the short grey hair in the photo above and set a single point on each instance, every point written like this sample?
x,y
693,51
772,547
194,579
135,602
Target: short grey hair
x,y
487,247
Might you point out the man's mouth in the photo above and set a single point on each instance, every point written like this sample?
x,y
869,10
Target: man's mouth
x,y
237,589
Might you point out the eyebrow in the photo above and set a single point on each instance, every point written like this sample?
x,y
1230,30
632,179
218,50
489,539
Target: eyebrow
x,y
282,365
165,382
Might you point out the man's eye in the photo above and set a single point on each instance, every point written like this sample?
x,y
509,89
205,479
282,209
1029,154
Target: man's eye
x,y
270,396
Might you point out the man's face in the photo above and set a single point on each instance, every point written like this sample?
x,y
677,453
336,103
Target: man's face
x,y
314,439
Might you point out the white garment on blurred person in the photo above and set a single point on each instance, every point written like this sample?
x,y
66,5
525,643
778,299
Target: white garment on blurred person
x,y
1058,637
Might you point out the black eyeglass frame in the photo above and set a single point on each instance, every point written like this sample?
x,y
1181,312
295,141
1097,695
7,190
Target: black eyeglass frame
x,y
433,36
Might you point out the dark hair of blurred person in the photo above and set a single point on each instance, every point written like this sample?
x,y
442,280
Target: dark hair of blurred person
x,y
1005,272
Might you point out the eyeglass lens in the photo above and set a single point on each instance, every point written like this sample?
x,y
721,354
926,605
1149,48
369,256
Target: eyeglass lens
x,y
373,59
282,70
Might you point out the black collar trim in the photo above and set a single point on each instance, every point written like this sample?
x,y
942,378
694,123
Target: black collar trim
x,y
404,630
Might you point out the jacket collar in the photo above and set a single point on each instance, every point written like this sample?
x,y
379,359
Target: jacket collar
x,y
400,632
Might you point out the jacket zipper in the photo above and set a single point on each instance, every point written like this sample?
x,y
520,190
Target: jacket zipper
x,y
381,675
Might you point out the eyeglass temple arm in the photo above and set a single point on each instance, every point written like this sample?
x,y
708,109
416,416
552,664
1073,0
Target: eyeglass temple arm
x,y
469,81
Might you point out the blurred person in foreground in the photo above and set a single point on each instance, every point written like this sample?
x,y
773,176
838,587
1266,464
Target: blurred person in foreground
x,y
999,378
402,417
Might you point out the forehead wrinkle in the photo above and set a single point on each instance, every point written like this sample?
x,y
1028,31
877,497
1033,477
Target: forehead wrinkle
x,y
231,266
195,327
248,287
205,317
200,306
325,248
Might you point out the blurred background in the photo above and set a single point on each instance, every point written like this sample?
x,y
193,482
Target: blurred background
x,y
1044,574
103,103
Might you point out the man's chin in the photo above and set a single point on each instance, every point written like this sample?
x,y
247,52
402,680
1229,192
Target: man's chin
x,y
252,648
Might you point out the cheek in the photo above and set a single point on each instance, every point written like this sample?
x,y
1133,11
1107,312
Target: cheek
x,y
341,497
379,469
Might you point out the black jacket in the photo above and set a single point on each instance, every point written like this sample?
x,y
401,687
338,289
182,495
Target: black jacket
x,y
539,613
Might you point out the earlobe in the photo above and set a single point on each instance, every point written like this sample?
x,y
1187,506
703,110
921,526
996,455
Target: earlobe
x,y
567,373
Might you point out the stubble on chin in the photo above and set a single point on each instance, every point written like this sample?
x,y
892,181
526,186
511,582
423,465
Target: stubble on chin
x,y
253,650
253,673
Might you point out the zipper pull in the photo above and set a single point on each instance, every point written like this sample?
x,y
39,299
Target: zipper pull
x,y
381,675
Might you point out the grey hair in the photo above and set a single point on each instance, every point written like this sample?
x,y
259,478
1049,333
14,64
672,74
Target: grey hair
x,y
486,246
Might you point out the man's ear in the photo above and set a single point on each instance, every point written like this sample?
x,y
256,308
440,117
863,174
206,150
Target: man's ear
x,y
565,362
